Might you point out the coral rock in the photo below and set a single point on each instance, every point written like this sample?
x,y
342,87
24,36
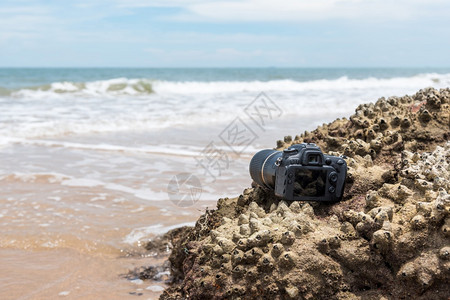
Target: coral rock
x,y
387,239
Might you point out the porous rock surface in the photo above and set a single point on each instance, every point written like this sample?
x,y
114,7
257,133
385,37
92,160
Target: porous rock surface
x,y
388,238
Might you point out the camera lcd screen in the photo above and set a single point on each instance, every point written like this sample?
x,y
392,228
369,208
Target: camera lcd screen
x,y
310,183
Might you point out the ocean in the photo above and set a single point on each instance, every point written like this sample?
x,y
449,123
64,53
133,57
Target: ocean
x,y
95,162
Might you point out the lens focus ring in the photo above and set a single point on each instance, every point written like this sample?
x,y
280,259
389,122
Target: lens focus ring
x,y
262,167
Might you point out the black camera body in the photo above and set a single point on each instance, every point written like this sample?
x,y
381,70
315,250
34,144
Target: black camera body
x,y
300,172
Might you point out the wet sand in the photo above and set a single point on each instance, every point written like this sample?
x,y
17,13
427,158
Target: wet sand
x,y
74,217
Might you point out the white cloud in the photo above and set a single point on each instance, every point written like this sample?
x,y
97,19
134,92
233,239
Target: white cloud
x,y
294,10
81,29
158,3
24,21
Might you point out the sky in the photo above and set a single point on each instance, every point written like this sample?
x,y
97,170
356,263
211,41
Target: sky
x,y
225,33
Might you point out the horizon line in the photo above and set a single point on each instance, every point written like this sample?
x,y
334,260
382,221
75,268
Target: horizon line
x,y
222,67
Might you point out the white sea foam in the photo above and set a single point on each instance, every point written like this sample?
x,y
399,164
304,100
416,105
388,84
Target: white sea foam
x,y
176,150
71,181
64,293
155,288
144,194
143,232
342,83
137,281
110,87
139,86
82,182
121,104
50,177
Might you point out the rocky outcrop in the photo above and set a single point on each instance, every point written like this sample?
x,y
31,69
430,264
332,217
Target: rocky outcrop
x,y
388,238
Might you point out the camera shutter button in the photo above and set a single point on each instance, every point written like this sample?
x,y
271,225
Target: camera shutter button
x,y
333,177
340,162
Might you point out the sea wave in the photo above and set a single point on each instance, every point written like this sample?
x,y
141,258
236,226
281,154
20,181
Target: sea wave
x,y
70,181
171,150
110,87
144,87
341,83
120,105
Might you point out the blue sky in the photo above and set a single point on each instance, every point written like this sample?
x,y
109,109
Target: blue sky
x,y
225,33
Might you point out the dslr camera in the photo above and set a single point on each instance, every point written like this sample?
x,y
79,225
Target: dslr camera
x,y
300,172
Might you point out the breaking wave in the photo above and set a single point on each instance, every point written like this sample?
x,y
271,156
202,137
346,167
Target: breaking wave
x,y
121,104
142,87
110,87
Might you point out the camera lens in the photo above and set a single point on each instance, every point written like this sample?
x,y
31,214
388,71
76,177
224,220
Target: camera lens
x,y
262,167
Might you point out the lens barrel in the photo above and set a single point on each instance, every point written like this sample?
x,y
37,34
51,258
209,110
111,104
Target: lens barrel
x,y
262,167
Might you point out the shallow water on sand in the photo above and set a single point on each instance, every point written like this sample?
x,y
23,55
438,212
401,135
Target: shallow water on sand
x,y
72,209
70,214
67,273
87,161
